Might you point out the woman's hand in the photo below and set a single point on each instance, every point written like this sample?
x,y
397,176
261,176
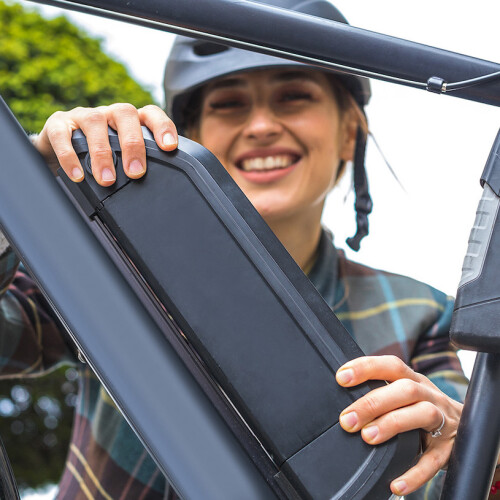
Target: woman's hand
x,y
54,142
410,401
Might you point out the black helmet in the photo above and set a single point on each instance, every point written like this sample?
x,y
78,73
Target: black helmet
x,y
192,63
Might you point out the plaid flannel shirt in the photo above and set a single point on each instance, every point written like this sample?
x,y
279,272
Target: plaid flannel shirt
x,y
385,314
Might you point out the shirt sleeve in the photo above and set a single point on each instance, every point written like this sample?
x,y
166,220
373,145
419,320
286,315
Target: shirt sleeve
x,y
32,341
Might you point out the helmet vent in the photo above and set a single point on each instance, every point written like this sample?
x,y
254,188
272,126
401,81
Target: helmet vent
x,y
209,49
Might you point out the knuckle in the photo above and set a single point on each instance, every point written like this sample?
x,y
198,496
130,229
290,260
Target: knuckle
x,y
394,423
54,133
58,115
151,111
398,365
432,409
152,108
133,142
409,387
65,154
95,116
429,408
371,403
435,461
124,108
101,153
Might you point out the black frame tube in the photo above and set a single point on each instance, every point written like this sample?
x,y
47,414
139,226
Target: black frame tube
x,y
358,52
302,37
8,486
477,445
159,397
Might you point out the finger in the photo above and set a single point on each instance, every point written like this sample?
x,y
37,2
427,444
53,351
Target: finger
x,y
94,124
365,368
430,463
56,138
421,415
163,128
382,400
124,118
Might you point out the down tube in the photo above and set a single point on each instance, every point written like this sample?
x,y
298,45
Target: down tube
x,y
166,407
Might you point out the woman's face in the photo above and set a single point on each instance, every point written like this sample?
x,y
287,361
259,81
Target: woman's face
x,y
280,135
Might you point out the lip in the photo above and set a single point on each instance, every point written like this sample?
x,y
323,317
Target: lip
x,y
267,176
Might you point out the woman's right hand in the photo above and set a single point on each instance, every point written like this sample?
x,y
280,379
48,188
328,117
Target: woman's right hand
x,y
54,142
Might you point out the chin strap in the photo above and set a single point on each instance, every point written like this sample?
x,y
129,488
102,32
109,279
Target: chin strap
x,y
363,203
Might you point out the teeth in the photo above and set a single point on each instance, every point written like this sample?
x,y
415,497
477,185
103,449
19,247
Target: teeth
x,y
268,162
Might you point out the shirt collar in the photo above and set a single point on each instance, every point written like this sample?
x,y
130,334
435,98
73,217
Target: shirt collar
x,y
324,273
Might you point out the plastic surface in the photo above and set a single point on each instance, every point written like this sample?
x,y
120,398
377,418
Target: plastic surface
x,y
247,310
304,38
165,406
477,307
477,445
491,173
486,215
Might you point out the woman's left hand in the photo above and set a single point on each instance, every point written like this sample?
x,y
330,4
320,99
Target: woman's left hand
x,y
410,401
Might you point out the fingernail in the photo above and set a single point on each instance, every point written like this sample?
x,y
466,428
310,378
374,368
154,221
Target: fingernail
x,y
400,487
169,139
136,168
349,420
345,376
370,432
77,174
107,175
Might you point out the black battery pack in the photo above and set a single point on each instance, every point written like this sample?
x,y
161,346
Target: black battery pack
x,y
250,325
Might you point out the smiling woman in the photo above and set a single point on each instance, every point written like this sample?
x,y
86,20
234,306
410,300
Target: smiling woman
x,y
283,137
284,132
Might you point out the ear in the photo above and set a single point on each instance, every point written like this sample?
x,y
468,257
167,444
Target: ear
x,y
350,125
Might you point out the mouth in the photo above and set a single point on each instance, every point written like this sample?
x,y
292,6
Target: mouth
x,y
267,163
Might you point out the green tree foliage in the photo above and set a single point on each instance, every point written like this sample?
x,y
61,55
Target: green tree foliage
x,y
45,66
50,65
35,425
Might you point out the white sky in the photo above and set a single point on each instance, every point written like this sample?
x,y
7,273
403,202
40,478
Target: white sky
x,y
437,145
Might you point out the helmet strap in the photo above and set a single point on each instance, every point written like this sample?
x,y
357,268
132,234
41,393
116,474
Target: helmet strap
x,y
363,203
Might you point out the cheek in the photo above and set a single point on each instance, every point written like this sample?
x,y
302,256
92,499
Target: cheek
x,y
324,142
217,138
324,148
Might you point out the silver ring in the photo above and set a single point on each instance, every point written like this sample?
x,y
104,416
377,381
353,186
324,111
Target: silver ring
x,y
437,432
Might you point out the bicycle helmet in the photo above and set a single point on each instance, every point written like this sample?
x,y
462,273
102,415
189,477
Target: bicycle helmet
x,y
193,63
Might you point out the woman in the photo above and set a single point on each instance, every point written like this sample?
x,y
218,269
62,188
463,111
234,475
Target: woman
x,y
284,132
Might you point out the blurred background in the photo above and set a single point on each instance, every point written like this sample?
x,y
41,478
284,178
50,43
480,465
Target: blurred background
x,y
437,145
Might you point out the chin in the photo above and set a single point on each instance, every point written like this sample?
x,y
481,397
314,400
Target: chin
x,y
273,206
273,215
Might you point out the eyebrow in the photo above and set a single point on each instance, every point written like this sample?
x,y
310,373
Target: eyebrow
x,y
227,83
284,76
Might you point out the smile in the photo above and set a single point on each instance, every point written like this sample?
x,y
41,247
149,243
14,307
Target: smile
x,y
266,163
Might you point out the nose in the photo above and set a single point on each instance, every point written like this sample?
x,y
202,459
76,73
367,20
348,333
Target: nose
x,y
262,124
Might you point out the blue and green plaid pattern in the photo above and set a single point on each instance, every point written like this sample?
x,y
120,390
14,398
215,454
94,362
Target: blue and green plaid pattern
x,y
384,313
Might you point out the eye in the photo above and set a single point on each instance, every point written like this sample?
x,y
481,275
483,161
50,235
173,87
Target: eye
x,y
226,104
295,96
